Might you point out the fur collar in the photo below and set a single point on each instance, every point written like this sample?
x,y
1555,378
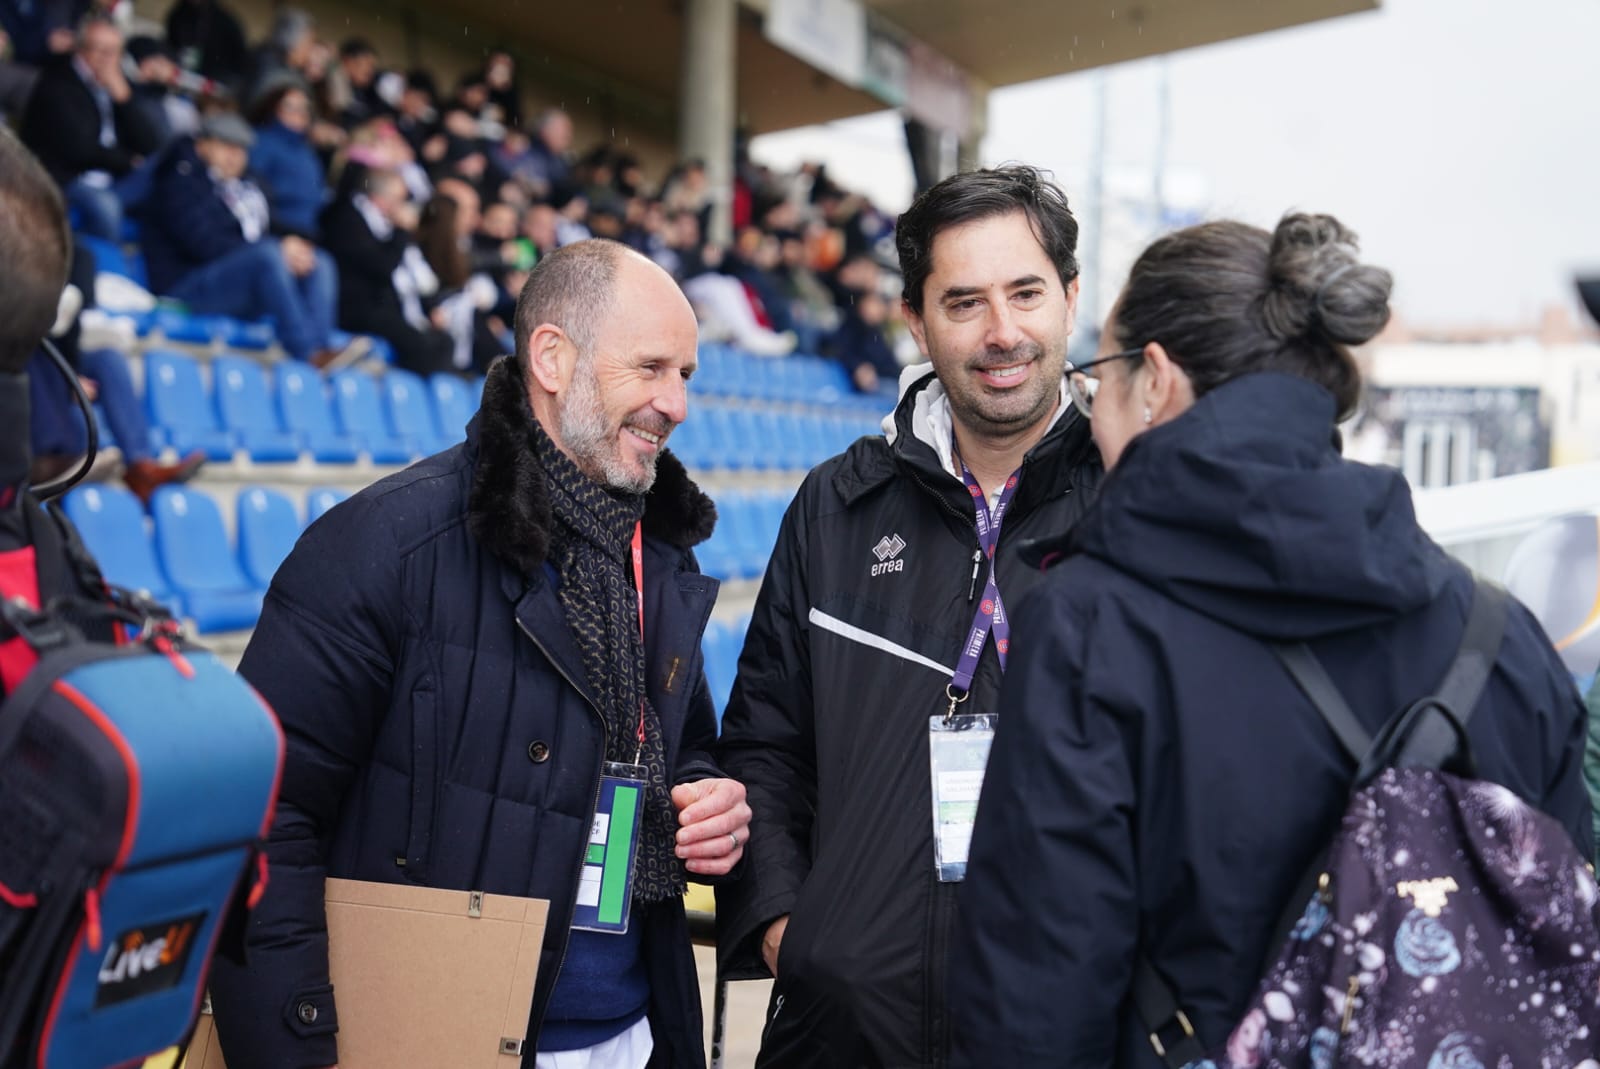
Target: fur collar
x,y
509,508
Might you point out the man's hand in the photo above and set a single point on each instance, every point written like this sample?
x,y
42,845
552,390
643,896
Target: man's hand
x,y
715,825
772,942
298,256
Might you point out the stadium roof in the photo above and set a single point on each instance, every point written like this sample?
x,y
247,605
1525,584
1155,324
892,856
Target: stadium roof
x,y
630,50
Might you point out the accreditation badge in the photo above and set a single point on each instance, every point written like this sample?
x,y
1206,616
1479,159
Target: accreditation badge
x,y
958,751
605,889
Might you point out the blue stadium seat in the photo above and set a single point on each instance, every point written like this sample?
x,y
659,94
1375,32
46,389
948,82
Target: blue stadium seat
x,y
410,415
176,401
454,404
110,258
713,435
360,415
112,523
303,406
197,558
245,406
184,328
268,527
253,337
718,638
719,555
320,499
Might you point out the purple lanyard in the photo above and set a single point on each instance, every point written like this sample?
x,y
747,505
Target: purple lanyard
x,y
991,614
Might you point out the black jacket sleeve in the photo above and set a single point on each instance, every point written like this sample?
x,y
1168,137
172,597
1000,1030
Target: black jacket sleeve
x,y
359,252
1042,961
323,657
768,744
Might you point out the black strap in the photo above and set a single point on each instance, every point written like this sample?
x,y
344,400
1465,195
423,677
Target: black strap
x,y
1430,746
1314,680
1165,1023
1468,675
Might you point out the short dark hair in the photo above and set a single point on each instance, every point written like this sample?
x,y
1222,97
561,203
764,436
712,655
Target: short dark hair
x,y
35,252
1226,299
983,194
571,288
356,46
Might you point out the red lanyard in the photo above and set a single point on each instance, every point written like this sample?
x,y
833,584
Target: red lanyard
x,y
638,585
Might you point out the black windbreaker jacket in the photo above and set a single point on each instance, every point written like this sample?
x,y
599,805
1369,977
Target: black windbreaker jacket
x,y
848,655
1158,779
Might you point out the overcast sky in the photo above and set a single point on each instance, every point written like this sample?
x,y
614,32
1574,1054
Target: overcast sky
x,y
1460,138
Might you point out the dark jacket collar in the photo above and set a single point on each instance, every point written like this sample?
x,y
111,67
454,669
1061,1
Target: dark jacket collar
x,y
508,510
1063,461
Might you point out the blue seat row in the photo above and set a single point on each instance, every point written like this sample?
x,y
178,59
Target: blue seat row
x,y
747,529
724,639
745,439
180,554
729,372
277,413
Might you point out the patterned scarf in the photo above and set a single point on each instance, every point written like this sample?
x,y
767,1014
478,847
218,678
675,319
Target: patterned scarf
x,y
591,548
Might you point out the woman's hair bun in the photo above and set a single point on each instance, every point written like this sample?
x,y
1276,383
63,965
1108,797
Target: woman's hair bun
x,y
1316,287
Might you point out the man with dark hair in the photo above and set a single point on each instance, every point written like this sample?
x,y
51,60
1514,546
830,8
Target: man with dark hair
x,y
880,629
87,128
456,651
358,62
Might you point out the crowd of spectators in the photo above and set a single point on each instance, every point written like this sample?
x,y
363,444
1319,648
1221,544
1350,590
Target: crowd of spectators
x,y
317,185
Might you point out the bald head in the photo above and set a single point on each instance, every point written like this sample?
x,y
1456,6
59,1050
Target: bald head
x,y
606,343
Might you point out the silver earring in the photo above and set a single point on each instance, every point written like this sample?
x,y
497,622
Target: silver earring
x,y
1147,414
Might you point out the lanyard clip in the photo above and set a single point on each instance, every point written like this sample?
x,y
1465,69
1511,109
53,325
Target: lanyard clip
x,y
956,698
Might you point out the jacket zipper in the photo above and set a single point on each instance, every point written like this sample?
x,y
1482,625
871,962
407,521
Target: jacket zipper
x,y
577,875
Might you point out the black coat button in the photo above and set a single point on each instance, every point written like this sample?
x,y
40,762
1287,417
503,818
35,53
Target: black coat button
x,y
306,1012
538,752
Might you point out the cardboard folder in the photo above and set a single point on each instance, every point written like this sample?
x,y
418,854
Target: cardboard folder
x,y
424,977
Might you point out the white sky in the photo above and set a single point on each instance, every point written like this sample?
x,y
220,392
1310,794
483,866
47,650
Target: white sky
x,y
1459,138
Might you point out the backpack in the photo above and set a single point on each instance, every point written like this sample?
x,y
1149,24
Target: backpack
x,y
1450,925
137,782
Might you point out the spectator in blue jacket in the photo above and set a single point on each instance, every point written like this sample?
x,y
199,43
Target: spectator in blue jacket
x,y
283,160
209,242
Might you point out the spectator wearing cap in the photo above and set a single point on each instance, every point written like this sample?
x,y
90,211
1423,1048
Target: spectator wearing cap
x,y
283,160
83,124
170,113
209,242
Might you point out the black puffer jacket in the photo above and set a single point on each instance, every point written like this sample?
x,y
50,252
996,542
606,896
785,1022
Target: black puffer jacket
x,y
1158,779
860,622
428,685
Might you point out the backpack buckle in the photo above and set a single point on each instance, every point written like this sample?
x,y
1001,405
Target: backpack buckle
x,y
39,629
1182,1021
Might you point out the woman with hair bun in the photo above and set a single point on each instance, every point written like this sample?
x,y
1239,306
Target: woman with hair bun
x,y
1158,784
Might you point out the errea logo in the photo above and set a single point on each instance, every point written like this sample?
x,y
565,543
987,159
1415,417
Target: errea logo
x,y
888,553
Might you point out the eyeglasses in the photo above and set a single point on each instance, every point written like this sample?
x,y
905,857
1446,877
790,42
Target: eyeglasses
x,y
1082,387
